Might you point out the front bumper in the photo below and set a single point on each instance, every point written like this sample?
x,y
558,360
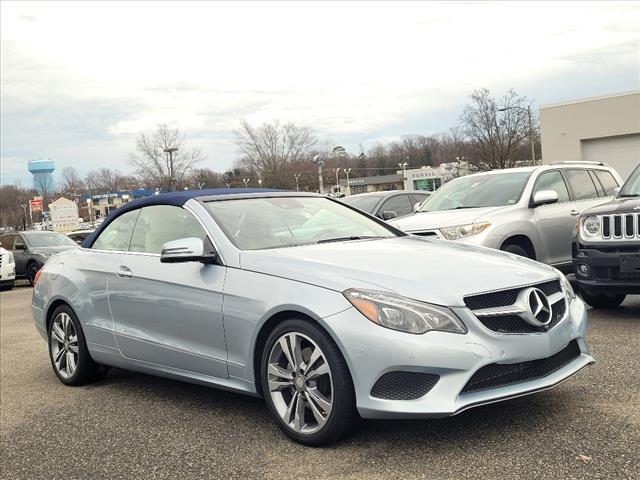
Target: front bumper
x,y
604,270
372,351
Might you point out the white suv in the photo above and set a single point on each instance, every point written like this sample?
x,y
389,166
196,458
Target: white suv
x,y
7,269
529,211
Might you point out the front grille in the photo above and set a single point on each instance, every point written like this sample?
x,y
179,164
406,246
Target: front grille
x,y
504,298
624,226
498,375
515,324
404,385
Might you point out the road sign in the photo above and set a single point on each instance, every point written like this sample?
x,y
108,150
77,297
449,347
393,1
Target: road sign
x,y
35,205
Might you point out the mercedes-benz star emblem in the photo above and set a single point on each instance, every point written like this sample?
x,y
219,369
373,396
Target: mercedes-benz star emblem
x,y
537,307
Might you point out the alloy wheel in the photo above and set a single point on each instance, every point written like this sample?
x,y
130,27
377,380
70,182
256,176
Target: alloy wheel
x,y
300,383
64,345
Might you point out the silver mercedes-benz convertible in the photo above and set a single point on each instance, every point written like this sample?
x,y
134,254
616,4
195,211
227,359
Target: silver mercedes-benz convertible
x,y
326,312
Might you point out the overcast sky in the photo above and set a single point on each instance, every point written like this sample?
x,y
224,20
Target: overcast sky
x,y
81,80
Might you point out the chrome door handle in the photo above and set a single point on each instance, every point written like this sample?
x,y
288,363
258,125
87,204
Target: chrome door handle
x,y
574,213
124,272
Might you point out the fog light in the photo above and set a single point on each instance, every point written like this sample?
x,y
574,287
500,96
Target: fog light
x,y
583,270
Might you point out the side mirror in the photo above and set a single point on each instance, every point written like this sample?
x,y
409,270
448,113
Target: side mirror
x,y
19,246
616,191
389,215
545,197
185,250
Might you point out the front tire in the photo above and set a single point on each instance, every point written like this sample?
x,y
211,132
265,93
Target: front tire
x,y
603,301
68,352
515,249
307,384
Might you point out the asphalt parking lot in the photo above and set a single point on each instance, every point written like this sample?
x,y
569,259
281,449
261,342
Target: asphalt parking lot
x,y
132,425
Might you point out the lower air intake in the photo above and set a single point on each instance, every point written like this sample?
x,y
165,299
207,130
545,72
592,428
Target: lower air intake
x,y
404,385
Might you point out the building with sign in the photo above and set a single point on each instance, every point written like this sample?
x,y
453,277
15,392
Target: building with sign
x,y
63,215
99,205
379,183
427,179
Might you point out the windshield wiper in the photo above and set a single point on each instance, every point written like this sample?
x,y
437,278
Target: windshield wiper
x,y
466,206
628,195
345,239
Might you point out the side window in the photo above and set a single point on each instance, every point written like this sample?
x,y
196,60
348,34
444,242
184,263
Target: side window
x,y
399,204
581,184
596,183
117,235
607,181
7,242
552,181
19,243
160,224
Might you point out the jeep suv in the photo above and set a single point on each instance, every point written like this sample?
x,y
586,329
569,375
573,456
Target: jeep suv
x,y
606,248
529,211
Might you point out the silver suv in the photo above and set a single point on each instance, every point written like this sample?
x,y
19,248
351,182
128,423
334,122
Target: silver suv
x,y
529,211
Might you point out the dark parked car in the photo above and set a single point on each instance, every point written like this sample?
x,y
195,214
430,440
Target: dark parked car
x,y
387,205
32,249
606,248
78,236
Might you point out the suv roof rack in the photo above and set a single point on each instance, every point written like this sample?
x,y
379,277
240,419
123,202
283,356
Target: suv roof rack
x,y
579,162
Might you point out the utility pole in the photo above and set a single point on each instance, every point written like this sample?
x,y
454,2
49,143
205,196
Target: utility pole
x,y
347,171
403,166
297,176
172,173
319,161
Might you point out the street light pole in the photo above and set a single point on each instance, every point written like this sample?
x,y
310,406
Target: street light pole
x,y
297,176
171,151
260,183
347,171
337,171
528,110
403,166
246,181
319,161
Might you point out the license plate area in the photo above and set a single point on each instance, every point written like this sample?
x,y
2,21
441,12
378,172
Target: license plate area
x,y
630,263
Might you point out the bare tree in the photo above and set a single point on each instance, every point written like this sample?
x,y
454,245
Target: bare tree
x,y
272,151
163,159
205,178
72,184
105,180
495,129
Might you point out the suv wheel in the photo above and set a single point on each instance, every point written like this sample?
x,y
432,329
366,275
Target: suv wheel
x,y
306,384
603,301
515,249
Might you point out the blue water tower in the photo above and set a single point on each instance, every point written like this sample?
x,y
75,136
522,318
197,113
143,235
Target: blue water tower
x,y
42,171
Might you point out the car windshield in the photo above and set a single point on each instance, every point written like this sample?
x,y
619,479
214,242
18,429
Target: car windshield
x,y
490,190
366,203
48,240
260,223
631,187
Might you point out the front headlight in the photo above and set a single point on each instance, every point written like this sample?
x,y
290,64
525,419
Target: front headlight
x,y
569,293
403,314
591,226
10,258
462,231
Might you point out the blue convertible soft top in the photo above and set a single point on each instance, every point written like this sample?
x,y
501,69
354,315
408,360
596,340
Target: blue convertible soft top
x,y
174,198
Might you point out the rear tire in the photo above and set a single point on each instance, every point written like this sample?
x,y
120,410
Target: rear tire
x,y
68,351
515,249
7,286
32,269
313,402
602,301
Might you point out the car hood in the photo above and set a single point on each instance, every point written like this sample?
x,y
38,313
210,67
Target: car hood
x,y
430,270
444,218
48,251
617,205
